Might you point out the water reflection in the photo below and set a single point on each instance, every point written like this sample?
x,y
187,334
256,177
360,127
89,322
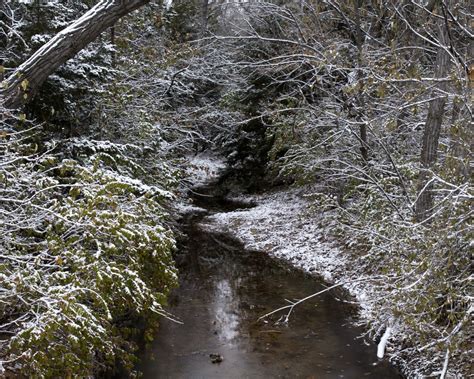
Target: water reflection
x,y
225,310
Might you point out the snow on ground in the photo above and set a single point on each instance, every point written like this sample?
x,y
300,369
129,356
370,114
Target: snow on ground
x,y
203,168
280,225
200,169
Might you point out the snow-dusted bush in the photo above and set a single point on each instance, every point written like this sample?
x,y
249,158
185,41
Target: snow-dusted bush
x,y
422,281
86,258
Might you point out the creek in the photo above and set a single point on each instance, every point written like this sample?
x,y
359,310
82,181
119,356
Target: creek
x,y
223,291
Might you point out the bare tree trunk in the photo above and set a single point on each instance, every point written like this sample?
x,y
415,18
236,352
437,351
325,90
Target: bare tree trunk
x,y
359,37
204,15
22,85
431,132
112,42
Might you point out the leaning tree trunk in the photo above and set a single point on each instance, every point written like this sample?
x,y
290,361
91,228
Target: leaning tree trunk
x,y
432,129
25,81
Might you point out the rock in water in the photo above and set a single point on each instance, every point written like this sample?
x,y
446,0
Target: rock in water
x,y
216,358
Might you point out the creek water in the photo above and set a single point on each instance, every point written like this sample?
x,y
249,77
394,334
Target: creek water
x,y
223,291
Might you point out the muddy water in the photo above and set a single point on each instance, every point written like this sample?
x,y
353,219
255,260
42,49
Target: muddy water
x,y
224,290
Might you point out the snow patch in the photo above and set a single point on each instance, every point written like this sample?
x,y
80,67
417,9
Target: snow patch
x,y
282,225
203,168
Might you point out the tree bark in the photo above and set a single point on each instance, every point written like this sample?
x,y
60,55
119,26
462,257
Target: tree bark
x,y
431,132
22,85
359,37
112,42
204,16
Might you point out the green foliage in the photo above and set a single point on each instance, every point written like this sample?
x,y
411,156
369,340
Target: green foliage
x,y
98,257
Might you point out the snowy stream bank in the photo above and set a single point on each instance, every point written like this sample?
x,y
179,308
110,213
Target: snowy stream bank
x,y
284,225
